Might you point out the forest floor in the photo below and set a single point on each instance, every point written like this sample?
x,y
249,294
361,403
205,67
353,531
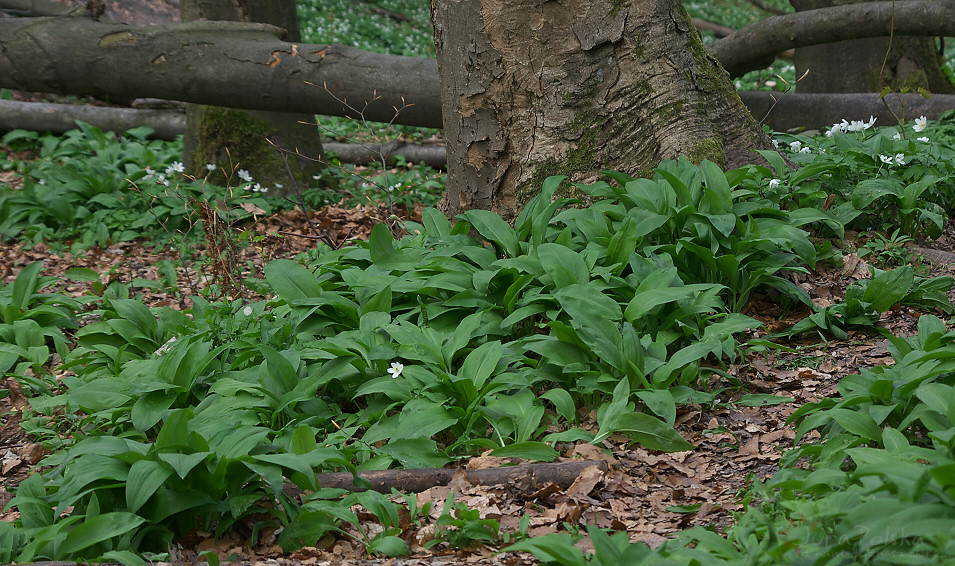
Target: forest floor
x,y
647,494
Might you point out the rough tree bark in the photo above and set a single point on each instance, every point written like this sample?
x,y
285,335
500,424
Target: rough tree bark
x,y
235,139
531,89
871,64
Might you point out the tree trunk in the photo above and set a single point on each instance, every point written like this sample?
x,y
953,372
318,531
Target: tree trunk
x,y
269,145
869,65
531,89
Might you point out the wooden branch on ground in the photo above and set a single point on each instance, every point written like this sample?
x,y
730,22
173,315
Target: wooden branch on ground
x,y
431,155
816,111
766,8
421,479
750,48
59,118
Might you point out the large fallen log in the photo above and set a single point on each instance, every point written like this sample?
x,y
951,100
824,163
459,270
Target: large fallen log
x,y
756,45
59,118
249,66
218,63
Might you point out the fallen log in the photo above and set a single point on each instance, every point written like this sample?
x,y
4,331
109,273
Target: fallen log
x,y
431,155
59,118
784,112
420,479
756,45
248,66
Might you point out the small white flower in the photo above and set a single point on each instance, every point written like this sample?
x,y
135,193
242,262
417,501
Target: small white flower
x,y
770,84
856,126
870,123
256,188
805,150
795,145
176,167
210,166
244,175
775,144
897,136
923,139
900,159
773,183
247,311
279,185
920,123
395,369
162,179
886,159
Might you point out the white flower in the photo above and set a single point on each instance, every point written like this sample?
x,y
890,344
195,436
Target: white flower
x,y
856,126
210,166
795,145
395,369
775,144
923,139
920,123
900,158
176,167
279,185
886,159
805,150
870,123
162,179
897,136
773,183
244,175
247,311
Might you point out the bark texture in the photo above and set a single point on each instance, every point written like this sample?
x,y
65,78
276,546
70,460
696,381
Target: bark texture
x,y
229,64
869,65
59,118
755,46
269,145
531,89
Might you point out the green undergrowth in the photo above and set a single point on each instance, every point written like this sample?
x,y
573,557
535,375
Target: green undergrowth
x,y
416,352
89,188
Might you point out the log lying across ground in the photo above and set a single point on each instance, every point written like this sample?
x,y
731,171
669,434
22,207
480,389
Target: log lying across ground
x,y
782,112
420,479
249,66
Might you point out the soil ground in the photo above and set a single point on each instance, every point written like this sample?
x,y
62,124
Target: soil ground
x,y
649,495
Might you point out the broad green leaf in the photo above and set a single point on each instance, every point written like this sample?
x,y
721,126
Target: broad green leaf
x,y
564,265
25,285
98,529
531,450
480,364
145,477
416,453
584,302
556,548
494,229
435,223
889,287
762,400
82,274
563,403
125,557
651,432
381,245
291,281
661,402
859,424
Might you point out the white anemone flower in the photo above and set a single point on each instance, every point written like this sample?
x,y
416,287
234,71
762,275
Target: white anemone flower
x,y
395,369
920,123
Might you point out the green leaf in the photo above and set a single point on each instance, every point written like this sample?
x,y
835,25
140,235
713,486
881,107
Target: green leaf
x,y
563,403
145,477
564,265
583,302
530,449
435,223
381,245
82,274
98,529
661,402
556,548
388,545
480,364
762,400
889,287
124,557
416,453
291,281
25,285
650,432
494,229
